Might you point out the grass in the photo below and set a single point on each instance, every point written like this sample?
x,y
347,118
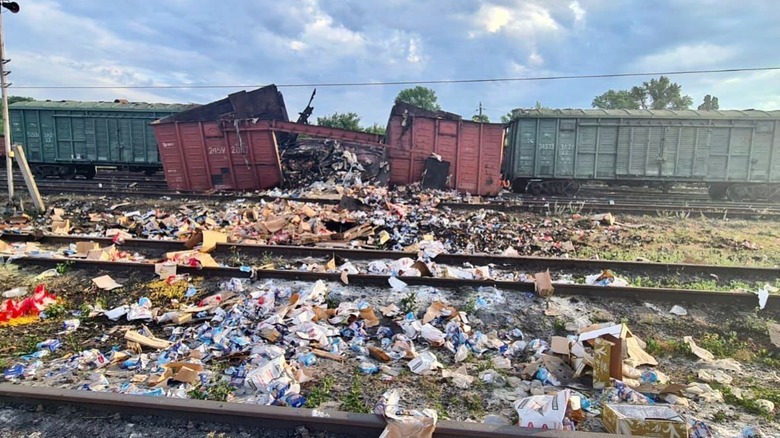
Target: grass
x,y
354,402
750,404
236,257
216,392
470,307
56,310
320,393
409,303
670,347
64,267
726,346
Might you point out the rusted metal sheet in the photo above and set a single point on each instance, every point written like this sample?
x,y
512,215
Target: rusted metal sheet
x,y
473,149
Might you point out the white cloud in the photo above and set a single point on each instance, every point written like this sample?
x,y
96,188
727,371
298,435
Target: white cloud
x,y
687,56
579,13
529,20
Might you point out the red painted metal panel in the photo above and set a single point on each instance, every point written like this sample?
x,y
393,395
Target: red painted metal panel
x,y
200,156
474,150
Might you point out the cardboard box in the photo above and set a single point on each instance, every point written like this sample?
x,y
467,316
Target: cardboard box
x,y
644,420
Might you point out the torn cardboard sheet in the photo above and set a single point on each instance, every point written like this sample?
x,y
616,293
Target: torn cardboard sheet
x,y
105,282
544,287
147,341
404,423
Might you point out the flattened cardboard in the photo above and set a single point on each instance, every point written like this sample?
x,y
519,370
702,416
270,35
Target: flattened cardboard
x,y
105,282
560,345
83,248
211,239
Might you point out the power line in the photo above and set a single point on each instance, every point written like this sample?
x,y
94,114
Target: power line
x,y
425,82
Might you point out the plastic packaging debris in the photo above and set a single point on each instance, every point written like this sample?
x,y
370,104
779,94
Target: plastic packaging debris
x,y
544,411
698,351
424,364
717,376
751,432
11,310
70,325
606,278
459,377
763,295
678,310
15,292
396,284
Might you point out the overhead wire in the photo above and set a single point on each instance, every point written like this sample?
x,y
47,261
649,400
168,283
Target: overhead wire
x,y
420,82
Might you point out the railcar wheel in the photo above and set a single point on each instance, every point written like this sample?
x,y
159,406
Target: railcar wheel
x,y
718,191
67,172
150,172
90,173
535,188
570,188
738,192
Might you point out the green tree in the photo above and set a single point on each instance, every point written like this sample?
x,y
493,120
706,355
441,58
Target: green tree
x,y
376,128
616,99
348,121
14,99
710,104
419,96
480,118
538,106
508,117
656,94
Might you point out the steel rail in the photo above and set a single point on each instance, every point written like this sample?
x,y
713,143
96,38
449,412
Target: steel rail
x,y
733,299
529,263
262,417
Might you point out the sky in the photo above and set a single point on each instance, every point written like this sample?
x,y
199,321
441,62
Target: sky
x,y
240,43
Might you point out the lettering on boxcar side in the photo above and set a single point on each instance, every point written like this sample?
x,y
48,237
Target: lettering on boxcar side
x,y
217,150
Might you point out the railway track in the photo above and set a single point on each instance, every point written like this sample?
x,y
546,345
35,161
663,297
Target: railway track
x,y
257,417
529,263
737,299
718,211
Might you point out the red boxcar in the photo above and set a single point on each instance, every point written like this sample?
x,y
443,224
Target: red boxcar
x,y
221,146
474,150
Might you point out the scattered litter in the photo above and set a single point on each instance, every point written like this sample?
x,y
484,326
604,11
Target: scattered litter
x,y
698,351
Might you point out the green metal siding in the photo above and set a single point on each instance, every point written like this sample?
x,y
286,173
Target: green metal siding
x,y
644,147
67,132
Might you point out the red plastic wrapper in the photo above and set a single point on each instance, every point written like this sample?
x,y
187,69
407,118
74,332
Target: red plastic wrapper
x,y
33,305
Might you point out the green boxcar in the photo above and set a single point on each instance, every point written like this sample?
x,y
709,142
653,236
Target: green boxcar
x,y
736,153
65,138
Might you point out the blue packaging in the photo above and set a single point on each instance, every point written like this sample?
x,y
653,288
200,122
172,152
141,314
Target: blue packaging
x,y
294,400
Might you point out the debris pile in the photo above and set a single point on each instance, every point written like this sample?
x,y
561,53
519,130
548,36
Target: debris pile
x,y
259,342
333,162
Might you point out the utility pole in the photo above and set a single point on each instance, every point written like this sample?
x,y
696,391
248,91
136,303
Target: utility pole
x,y
14,8
480,105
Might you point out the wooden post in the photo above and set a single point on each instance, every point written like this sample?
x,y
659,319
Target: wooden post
x,y
21,160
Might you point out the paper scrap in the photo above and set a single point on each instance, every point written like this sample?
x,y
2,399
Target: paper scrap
x,y
698,351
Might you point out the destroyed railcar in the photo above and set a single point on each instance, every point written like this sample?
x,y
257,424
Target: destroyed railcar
x,y
235,143
472,150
